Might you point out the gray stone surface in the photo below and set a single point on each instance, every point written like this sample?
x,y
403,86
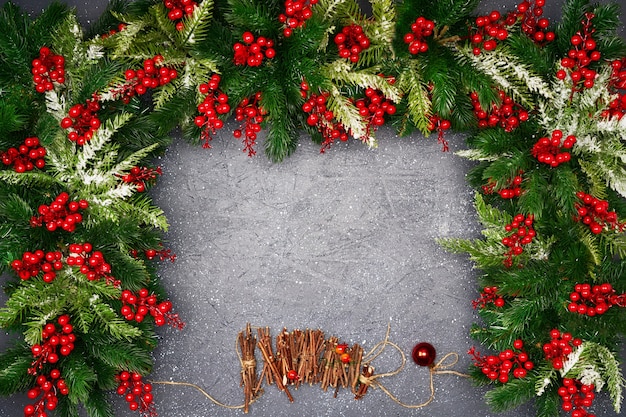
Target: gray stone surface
x,y
343,241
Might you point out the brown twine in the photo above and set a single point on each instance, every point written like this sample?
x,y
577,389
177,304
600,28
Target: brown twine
x,y
187,384
439,368
244,365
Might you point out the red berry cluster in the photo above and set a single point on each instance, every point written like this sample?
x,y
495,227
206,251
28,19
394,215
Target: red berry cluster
x,y
55,341
215,103
351,41
523,236
251,52
579,58
561,345
153,74
420,29
576,397
489,295
139,176
120,27
296,13
533,24
373,108
48,390
25,157
512,189
550,150
251,114
163,254
321,118
91,264
61,213
178,9
150,254
47,69
440,125
83,121
32,263
498,367
617,86
594,299
490,29
137,393
137,307
595,213
507,115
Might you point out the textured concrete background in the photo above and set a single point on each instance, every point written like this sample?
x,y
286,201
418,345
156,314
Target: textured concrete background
x,y
343,242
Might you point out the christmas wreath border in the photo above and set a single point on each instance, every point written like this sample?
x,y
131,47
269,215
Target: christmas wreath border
x,y
543,104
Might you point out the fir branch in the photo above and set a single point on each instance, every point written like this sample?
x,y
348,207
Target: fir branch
x,y
513,394
591,244
476,155
346,113
572,13
516,78
91,150
143,210
14,364
97,405
121,355
79,377
536,194
384,14
330,8
594,364
136,158
486,254
489,216
113,324
413,87
30,179
449,12
342,74
196,27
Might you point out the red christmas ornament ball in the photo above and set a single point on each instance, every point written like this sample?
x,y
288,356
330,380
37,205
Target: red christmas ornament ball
x,y
424,354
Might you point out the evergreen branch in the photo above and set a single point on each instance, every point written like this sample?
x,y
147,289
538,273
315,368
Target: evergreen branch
x,y
14,364
485,254
91,149
476,155
449,12
113,323
597,186
132,160
489,216
330,8
197,26
572,13
513,394
414,89
122,355
591,244
79,377
97,405
594,364
346,113
124,41
513,76
142,209
342,74
30,179
384,14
